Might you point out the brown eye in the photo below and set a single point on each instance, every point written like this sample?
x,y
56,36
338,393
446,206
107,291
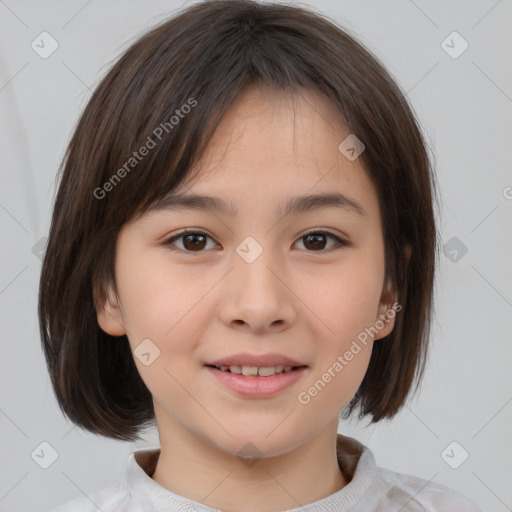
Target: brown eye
x,y
316,241
196,241
192,241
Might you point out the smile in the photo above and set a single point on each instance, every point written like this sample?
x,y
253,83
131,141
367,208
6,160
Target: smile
x,y
254,385
261,371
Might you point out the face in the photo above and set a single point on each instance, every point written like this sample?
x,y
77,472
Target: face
x,y
303,285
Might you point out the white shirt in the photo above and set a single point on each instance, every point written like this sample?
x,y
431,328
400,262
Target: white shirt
x,y
371,489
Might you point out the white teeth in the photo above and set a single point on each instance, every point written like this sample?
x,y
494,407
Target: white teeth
x,y
270,370
266,371
249,370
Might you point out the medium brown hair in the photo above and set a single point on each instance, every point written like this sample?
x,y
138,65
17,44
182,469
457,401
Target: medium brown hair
x,y
208,54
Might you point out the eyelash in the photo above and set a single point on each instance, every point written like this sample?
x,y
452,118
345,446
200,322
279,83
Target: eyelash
x,y
341,243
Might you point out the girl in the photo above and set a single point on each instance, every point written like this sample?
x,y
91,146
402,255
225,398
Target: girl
x,y
243,244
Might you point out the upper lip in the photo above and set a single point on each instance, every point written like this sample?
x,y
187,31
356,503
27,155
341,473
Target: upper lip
x,y
261,361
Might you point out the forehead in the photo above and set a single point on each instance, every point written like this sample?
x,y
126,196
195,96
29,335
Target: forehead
x,y
265,124
273,148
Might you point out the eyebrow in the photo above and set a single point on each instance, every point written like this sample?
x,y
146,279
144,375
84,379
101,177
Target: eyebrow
x,y
293,206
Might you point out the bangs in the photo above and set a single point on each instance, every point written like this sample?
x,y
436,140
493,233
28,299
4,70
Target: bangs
x,y
170,116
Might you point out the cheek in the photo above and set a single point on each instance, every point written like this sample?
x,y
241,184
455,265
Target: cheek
x,y
344,298
168,306
345,307
154,298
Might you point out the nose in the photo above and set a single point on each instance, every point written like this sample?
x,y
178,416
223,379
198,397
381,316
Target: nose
x,y
257,296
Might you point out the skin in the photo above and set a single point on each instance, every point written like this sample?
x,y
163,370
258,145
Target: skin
x,y
296,299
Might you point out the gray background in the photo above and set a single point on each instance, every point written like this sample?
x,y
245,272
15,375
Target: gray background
x,y
464,105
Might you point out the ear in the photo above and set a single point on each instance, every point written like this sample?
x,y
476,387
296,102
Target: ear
x,y
385,319
109,314
408,252
389,305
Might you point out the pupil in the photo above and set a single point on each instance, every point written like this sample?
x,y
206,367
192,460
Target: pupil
x,y
316,237
194,245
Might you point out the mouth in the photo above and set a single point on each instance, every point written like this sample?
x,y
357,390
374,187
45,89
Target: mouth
x,y
257,371
257,382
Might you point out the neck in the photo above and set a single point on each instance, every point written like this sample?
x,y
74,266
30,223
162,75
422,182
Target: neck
x,y
203,472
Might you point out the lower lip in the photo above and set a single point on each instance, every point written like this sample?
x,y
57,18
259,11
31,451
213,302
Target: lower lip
x,y
251,386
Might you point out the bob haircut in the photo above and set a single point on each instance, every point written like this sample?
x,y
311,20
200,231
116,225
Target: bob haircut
x,y
178,80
